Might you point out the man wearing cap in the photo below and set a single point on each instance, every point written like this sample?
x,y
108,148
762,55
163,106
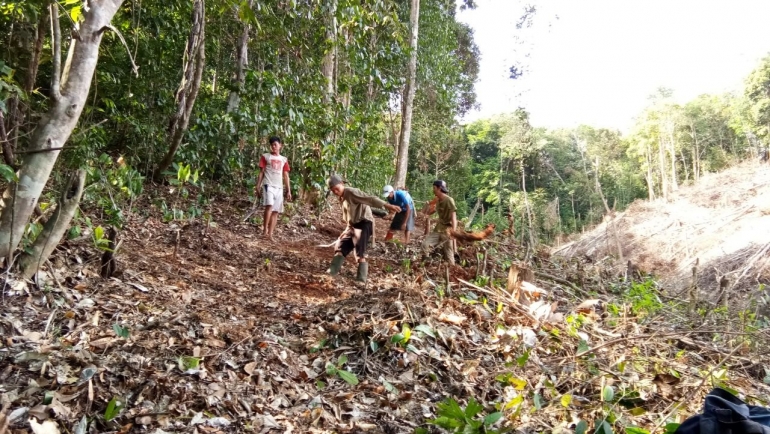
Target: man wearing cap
x,y
447,218
357,214
404,219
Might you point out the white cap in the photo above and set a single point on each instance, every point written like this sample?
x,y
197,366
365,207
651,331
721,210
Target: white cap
x,y
387,190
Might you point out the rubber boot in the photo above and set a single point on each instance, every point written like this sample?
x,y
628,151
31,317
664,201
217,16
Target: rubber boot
x,y
334,269
363,271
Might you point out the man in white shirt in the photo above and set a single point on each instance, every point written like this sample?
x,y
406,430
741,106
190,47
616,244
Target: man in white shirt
x,y
274,172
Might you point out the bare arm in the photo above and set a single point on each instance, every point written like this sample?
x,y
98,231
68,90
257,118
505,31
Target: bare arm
x,y
258,187
454,221
288,185
408,214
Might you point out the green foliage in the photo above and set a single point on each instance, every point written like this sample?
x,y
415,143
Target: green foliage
x,y
469,420
8,86
113,408
643,297
402,339
7,173
31,232
187,363
112,186
100,241
336,369
121,331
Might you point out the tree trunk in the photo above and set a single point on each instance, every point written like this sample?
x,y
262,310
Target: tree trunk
x,y
684,165
5,144
55,227
69,91
649,177
472,215
239,80
194,63
663,171
411,85
599,187
18,109
695,156
527,208
330,57
672,152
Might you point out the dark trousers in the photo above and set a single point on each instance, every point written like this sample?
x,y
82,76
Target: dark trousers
x,y
356,237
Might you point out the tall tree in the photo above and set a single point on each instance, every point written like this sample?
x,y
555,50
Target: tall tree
x,y
242,56
194,62
408,99
69,89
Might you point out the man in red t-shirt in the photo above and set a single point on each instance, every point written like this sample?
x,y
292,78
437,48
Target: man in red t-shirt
x,y
274,172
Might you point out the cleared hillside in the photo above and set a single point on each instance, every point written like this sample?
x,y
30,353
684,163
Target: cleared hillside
x,y
722,222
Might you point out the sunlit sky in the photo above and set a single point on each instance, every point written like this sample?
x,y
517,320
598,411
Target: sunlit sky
x,y
596,62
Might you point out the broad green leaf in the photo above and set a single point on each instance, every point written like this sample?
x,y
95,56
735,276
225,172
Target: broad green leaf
x,y
420,430
319,384
608,393
348,376
98,233
566,400
583,347
492,418
636,430
330,368
389,387
424,328
342,360
538,401
581,427
187,363
603,428
397,338
8,173
113,409
450,408
522,359
120,330
671,428
473,408
413,349
447,422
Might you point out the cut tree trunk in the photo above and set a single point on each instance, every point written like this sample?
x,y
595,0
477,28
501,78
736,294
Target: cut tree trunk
x,y
408,102
55,227
69,90
194,63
